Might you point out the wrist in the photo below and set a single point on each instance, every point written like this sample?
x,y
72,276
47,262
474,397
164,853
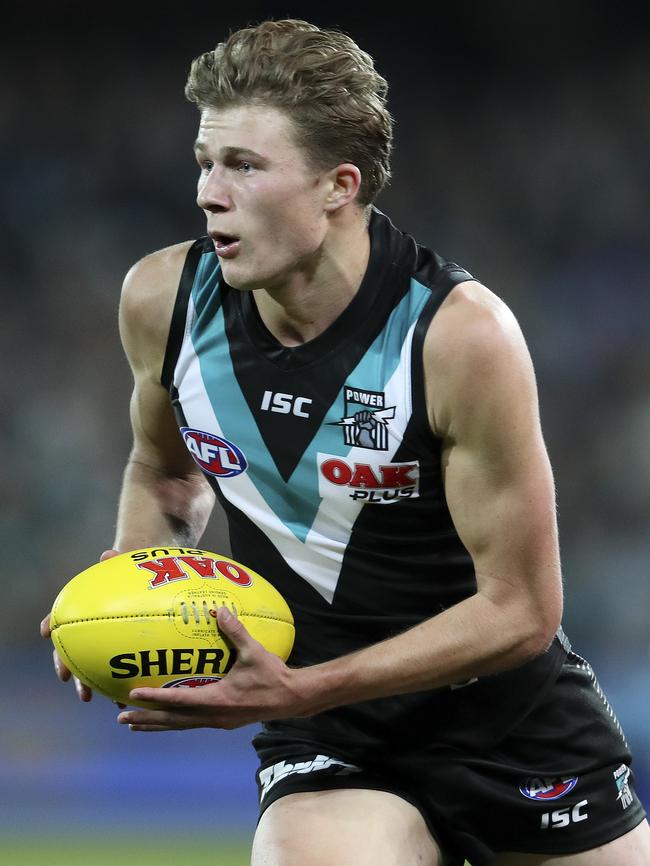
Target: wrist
x,y
319,687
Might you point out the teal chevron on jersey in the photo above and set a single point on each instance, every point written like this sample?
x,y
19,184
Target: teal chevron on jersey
x,y
374,372
295,504
206,282
341,500
385,354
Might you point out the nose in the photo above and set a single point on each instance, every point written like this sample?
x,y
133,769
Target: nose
x,y
212,193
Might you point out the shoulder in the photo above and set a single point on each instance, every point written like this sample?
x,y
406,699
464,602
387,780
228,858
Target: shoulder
x,y
147,301
474,347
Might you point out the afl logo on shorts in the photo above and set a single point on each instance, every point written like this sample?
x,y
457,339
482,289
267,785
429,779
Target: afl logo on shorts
x,y
214,455
191,682
548,788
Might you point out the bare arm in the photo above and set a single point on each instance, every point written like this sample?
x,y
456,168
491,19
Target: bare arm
x,y
165,499
483,404
499,488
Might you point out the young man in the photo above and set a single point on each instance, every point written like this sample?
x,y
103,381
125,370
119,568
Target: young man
x,y
376,444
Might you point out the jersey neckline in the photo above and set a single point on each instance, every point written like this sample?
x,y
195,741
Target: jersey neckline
x,y
355,314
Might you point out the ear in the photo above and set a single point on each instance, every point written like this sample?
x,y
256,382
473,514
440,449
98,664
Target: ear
x,y
344,184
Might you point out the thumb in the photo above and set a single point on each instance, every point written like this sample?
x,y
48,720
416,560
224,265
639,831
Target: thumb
x,y
108,554
232,628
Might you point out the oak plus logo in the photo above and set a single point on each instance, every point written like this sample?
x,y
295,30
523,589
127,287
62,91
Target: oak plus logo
x,y
167,569
214,454
372,482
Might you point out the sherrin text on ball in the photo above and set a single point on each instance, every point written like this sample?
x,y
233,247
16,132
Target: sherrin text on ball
x,y
148,618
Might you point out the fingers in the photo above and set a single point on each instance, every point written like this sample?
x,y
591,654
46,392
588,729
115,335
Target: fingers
x,y
84,692
45,629
235,631
170,697
61,670
158,720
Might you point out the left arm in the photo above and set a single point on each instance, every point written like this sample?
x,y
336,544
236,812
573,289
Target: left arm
x,y
482,403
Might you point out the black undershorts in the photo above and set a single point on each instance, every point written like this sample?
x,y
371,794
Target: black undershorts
x,y
558,783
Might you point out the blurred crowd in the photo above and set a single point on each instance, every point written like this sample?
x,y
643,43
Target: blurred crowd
x,y
523,162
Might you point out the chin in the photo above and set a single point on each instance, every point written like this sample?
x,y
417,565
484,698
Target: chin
x,y
237,279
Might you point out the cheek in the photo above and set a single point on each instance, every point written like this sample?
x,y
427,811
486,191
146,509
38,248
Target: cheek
x,y
288,224
285,226
303,218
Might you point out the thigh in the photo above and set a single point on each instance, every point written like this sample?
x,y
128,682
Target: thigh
x,y
631,849
348,827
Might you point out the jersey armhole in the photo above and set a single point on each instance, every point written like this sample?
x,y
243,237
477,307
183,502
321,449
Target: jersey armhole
x,y
448,278
179,313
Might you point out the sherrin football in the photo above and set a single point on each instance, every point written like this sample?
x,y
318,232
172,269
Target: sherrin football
x,y
148,618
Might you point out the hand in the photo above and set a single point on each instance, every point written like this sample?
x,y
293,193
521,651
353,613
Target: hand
x,y
258,687
84,692
365,419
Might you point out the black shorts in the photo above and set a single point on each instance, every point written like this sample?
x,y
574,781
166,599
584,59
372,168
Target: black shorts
x,y
558,783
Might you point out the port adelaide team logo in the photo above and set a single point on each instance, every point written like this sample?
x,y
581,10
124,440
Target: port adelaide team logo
x,y
370,479
365,419
214,454
622,779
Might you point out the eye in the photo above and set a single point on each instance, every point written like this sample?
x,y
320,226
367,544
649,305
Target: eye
x,y
245,167
205,165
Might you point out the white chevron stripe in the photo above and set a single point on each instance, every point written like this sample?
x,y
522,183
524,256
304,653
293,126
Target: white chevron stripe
x,y
318,560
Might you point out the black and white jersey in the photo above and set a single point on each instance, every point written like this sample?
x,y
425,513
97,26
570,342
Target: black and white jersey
x,y
322,454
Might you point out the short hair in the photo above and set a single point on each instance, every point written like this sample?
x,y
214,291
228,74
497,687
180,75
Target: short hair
x,y
320,79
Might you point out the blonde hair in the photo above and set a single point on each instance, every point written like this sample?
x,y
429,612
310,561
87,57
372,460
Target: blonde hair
x,y
320,79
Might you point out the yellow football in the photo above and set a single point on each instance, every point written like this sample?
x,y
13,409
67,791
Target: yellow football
x,y
148,618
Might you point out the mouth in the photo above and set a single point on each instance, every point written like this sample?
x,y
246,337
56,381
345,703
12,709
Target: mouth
x,y
225,246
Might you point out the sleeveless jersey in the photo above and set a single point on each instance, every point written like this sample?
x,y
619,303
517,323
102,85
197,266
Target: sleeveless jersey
x,y
330,476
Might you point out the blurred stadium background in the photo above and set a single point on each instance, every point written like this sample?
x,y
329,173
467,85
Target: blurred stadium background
x,y
521,143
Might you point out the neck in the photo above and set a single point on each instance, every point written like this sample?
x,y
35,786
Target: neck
x,y
318,293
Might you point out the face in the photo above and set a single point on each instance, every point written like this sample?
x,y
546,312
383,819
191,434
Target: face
x,y
264,206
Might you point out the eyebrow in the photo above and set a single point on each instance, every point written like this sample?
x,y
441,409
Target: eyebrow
x,y
226,152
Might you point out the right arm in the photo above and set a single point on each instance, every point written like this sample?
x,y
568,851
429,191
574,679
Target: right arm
x,y
165,499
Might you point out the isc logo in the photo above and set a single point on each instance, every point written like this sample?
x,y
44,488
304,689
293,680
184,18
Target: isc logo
x,y
285,404
564,817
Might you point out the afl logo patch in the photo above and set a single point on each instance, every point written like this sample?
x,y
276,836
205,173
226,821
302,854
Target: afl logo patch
x,y
215,455
191,682
548,788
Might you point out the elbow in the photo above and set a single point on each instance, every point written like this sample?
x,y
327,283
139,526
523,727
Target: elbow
x,y
538,643
542,626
